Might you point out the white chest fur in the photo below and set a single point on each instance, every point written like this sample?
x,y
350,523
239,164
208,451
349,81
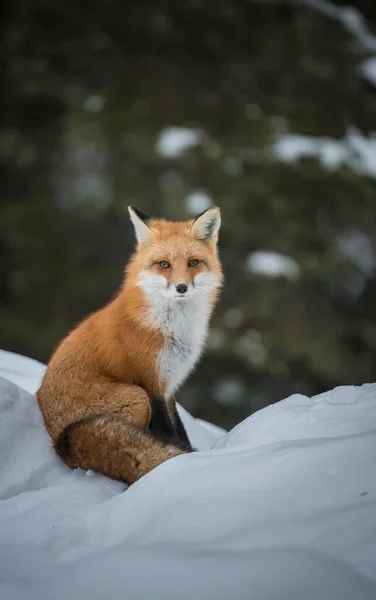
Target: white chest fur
x,y
182,321
184,326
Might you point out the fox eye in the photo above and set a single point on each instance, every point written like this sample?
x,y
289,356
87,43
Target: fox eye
x,y
164,264
193,262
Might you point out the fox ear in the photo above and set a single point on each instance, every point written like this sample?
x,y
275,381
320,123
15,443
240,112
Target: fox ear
x,y
206,225
140,224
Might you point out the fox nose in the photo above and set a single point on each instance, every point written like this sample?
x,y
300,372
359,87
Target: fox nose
x,y
181,288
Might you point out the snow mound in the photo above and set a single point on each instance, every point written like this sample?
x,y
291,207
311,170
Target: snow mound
x,y
25,372
281,507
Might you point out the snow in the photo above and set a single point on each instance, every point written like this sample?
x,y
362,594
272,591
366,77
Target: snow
x,y
290,147
282,507
354,150
273,264
25,372
197,202
173,141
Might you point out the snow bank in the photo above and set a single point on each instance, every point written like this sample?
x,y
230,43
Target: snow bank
x,y
25,372
281,507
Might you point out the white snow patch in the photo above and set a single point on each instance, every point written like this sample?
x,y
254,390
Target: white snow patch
x,y
173,141
283,506
355,150
273,264
291,147
197,202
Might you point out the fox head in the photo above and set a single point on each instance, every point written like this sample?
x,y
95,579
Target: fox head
x,y
176,260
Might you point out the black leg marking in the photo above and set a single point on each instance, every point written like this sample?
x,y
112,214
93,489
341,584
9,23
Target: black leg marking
x,y
163,428
63,445
160,423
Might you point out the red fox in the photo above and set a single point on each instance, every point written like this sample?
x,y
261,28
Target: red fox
x,y
107,396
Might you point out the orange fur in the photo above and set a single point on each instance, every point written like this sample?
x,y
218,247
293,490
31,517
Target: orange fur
x,y
96,394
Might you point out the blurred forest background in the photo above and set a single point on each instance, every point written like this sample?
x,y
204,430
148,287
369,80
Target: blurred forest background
x,y
265,108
